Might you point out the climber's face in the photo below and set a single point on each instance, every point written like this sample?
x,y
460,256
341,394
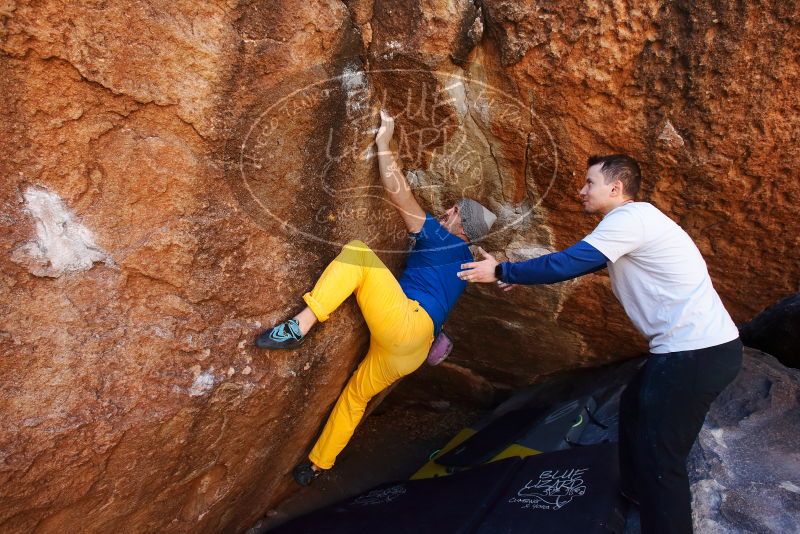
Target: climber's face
x,y
596,195
451,220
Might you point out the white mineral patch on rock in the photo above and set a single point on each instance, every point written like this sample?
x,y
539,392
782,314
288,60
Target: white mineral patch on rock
x,y
788,486
522,253
515,216
369,152
670,135
62,244
511,325
203,383
458,95
718,436
419,179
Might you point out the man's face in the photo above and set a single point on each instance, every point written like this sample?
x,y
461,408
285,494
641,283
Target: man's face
x,y
596,195
451,220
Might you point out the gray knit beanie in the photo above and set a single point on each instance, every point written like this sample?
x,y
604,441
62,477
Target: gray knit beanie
x,y
475,218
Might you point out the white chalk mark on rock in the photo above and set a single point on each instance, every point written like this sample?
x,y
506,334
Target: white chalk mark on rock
x,y
354,83
62,244
391,48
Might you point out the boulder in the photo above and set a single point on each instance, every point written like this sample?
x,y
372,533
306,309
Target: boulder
x,y
177,174
776,330
744,468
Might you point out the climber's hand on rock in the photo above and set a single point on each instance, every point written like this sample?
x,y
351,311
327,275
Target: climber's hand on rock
x,y
385,132
479,271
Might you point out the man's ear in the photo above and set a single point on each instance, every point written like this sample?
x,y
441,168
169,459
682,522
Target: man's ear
x,y
617,188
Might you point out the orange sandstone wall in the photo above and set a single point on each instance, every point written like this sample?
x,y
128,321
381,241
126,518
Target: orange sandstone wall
x,y
176,174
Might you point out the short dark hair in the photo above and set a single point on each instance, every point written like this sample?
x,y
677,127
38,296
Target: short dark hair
x,y
619,167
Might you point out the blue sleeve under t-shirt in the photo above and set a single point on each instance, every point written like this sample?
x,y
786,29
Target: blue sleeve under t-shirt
x,y
577,260
431,273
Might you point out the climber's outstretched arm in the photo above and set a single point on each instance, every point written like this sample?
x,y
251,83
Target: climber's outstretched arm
x,y
394,182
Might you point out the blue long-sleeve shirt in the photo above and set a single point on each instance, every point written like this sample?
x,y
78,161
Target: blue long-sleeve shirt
x,y
577,260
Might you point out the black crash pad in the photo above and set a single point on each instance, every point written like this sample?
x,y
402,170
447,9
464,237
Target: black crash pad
x,y
454,504
569,491
565,492
542,429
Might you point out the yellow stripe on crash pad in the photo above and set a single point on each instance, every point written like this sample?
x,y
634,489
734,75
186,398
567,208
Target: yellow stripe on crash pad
x,y
515,450
432,469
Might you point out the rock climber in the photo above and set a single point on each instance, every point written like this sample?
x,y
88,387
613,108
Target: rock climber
x,y
403,316
662,282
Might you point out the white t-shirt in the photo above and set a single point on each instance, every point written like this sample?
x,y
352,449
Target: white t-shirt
x,y
661,279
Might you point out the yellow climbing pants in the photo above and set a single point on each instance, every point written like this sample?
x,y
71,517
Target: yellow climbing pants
x,y
401,335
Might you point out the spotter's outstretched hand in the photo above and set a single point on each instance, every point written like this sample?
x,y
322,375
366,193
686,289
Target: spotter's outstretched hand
x,y
479,271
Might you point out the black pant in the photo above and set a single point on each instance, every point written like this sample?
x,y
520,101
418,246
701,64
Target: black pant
x,y
661,413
